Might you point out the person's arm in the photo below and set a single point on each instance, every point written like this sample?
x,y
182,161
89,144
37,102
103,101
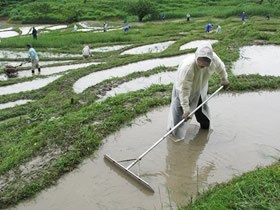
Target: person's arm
x,y
221,71
185,87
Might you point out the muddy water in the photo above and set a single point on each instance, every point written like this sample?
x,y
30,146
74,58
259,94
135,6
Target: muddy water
x,y
152,48
14,103
97,77
27,86
141,83
175,170
263,60
196,44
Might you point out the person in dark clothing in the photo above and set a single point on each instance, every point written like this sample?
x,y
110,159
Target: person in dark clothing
x,y
34,33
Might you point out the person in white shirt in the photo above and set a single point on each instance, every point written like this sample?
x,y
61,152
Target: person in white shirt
x,y
218,29
86,51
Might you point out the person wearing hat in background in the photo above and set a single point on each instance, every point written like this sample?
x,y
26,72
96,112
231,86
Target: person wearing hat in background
x,y
32,55
191,86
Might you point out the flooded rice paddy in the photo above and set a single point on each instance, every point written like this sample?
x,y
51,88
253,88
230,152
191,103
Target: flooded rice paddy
x,y
49,70
42,63
97,77
55,69
263,60
6,29
196,44
57,27
152,48
176,171
28,29
141,83
13,54
109,48
14,103
28,86
7,34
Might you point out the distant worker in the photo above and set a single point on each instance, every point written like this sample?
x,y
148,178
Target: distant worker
x,y
218,29
243,17
32,55
105,27
188,16
86,51
126,28
75,27
209,27
34,33
162,17
267,17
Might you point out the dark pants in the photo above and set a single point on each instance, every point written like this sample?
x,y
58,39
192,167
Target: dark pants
x,y
201,118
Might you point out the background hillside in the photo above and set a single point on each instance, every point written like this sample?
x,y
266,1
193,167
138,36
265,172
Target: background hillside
x,y
49,11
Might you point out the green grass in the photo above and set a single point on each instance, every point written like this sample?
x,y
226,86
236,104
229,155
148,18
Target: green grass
x,y
254,190
51,11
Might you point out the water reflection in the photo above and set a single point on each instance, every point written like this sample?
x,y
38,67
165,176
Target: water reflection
x,y
263,60
152,48
109,48
27,29
97,77
50,70
27,86
56,69
196,44
141,83
182,166
16,54
6,29
7,34
14,103
57,27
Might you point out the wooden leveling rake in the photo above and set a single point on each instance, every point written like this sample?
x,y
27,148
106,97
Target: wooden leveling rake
x,y
133,175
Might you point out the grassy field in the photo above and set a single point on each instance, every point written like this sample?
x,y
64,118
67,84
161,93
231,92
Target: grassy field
x,y
70,132
253,190
53,11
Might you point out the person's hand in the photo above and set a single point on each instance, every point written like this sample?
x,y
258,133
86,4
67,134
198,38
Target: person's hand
x,y
225,83
186,116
